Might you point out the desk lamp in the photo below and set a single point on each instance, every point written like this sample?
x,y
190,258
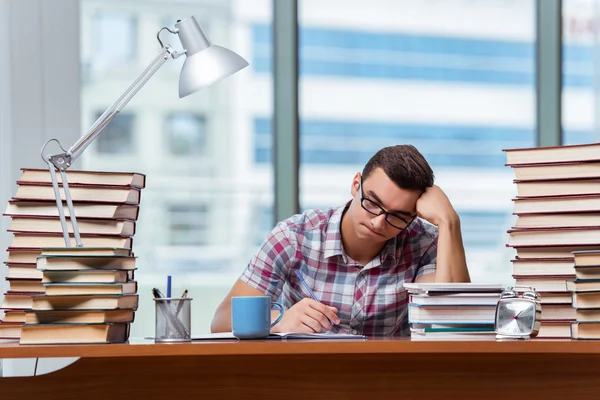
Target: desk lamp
x,y
204,65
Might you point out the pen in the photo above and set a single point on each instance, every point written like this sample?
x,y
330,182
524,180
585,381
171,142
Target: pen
x,y
299,275
180,305
169,286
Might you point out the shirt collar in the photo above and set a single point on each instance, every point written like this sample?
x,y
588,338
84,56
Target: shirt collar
x,y
333,234
389,251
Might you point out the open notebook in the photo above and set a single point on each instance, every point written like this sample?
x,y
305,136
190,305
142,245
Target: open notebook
x,y
282,336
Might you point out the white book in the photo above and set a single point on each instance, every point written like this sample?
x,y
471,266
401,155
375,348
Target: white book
x,y
451,315
460,287
455,299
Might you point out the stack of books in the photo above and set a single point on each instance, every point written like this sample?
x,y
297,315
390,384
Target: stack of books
x,y
107,208
441,311
558,212
585,291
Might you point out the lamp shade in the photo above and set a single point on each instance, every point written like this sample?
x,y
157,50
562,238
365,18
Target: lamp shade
x,y
205,62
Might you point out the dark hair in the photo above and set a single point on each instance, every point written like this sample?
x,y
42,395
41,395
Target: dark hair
x,y
404,165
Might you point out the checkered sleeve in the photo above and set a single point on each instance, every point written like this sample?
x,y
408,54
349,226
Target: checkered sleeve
x,y
268,268
428,262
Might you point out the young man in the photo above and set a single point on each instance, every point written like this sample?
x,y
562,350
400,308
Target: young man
x,y
356,258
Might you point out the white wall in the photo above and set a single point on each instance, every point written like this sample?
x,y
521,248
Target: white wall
x,y
39,96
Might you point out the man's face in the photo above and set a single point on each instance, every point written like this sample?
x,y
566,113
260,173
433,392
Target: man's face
x,y
381,194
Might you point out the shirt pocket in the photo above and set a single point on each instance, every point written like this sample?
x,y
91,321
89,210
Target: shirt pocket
x,y
389,306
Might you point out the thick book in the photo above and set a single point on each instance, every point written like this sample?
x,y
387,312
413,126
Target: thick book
x,y
471,314
29,256
587,272
16,301
19,256
587,257
83,210
585,330
78,316
91,194
108,227
546,172
587,314
10,330
544,283
86,251
74,333
584,285
558,312
550,252
555,297
480,299
76,302
38,175
556,267
14,316
555,330
32,241
90,288
586,300
87,276
453,332
470,336
553,154
561,187
557,204
20,285
562,220
23,271
77,263
558,236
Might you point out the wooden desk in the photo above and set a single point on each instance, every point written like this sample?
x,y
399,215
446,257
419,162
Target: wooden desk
x,y
398,369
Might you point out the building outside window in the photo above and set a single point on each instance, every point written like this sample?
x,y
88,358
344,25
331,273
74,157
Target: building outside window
x,y
114,38
189,225
186,134
117,137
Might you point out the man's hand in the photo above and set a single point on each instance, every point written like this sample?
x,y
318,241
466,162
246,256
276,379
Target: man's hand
x,y
308,316
435,207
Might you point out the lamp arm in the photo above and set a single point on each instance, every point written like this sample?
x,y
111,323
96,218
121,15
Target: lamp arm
x,y
75,151
63,160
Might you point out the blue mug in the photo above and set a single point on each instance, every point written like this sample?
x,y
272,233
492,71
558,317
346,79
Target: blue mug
x,y
251,316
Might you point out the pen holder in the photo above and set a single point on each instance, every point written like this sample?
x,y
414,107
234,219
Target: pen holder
x,y
172,319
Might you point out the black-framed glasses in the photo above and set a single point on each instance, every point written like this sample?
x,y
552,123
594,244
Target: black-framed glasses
x,y
375,209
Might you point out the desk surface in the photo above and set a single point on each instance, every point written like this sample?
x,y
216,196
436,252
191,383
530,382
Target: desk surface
x,y
142,348
293,369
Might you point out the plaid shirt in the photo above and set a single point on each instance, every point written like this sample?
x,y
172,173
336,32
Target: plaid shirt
x,y
371,300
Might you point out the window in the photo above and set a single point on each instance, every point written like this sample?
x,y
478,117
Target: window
x,y
580,116
263,217
213,202
117,136
188,225
454,78
114,38
186,133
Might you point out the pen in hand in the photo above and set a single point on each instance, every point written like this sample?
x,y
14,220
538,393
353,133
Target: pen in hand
x,y
310,292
